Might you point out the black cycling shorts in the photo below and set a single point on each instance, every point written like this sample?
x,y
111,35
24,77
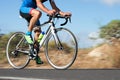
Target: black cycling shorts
x,y
28,17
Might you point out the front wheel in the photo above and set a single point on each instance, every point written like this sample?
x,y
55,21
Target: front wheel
x,y
17,51
62,53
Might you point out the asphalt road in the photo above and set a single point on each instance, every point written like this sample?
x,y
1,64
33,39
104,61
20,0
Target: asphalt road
x,y
51,74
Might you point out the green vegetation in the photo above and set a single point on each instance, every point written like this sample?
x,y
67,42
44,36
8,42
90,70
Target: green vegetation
x,y
3,43
109,32
112,29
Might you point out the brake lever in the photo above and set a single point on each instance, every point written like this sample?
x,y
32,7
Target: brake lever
x,y
69,19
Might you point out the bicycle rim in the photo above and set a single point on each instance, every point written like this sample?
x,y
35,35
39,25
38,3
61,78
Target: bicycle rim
x,y
17,51
62,57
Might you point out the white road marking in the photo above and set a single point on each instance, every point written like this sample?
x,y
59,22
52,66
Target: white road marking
x,y
19,78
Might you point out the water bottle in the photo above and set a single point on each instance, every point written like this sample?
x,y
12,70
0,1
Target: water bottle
x,y
41,36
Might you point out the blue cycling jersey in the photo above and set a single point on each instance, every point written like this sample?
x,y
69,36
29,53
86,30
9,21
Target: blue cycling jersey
x,y
27,5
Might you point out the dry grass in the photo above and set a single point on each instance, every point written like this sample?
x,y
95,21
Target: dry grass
x,y
109,59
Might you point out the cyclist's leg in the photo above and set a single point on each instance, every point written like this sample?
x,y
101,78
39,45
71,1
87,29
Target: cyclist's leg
x,y
27,17
35,17
37,31
32,16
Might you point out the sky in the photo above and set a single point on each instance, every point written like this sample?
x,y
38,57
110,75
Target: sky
x,y
87,17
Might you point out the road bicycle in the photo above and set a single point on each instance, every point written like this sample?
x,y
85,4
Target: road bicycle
x,y
60,46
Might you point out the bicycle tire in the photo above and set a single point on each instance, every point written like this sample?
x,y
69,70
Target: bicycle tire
x,y
62,58
17,51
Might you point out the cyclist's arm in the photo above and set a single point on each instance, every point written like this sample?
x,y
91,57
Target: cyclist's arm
x,y
41,6
58,10
54,5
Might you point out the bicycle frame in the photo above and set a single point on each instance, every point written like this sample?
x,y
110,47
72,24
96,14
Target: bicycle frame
x,y
50,30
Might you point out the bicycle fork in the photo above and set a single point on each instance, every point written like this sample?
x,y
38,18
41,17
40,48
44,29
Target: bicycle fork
x,y
56,38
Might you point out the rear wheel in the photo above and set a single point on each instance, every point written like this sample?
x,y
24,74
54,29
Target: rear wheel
x,y
17,51
61,54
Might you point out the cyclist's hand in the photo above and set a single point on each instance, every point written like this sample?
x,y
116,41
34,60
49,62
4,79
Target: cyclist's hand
x,y
65,14
51,12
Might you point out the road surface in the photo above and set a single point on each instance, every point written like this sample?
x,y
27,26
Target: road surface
x,y
52,74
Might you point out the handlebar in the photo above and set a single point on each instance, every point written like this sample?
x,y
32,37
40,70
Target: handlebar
x,y
67,18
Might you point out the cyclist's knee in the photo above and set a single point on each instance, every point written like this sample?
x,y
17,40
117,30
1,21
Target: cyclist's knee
x,y
36,13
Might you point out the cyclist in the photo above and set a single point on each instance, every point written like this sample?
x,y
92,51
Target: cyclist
x,y
31,14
